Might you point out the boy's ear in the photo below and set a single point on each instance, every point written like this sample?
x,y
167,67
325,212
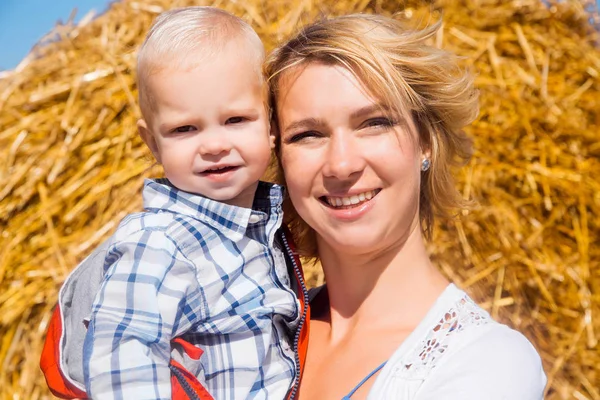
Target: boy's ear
x,y
148,138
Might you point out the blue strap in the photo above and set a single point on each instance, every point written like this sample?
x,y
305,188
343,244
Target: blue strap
x,y
347,397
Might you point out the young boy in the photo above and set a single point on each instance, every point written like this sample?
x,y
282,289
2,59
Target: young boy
x,y
203,263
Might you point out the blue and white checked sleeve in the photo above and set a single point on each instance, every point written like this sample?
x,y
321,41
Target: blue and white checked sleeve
x,y
150,294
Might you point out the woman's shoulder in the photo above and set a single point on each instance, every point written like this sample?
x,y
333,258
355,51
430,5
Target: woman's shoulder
x,y
494,347
473,336
492,362
461,352
473,327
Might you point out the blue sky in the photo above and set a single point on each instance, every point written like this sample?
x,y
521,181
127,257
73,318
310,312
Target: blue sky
x,y
24,22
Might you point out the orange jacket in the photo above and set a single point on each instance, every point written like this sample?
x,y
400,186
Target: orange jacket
x,y
61,356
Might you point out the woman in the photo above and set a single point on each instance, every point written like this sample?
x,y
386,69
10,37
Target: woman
x,y
369,122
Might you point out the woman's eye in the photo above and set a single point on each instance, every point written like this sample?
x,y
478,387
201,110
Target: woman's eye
x,y
301,136
184,128
379,122
235,120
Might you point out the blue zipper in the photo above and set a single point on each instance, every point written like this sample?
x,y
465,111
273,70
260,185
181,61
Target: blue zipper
x,y
302,317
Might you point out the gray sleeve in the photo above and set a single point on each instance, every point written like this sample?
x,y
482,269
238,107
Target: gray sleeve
x,y
76,298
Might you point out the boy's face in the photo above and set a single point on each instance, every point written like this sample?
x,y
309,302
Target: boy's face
x,y
209,127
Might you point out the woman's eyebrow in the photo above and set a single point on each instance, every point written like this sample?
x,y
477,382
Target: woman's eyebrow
x,y
303,123
368,110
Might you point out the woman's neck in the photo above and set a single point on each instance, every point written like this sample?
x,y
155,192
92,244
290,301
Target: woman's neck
x,y
392,288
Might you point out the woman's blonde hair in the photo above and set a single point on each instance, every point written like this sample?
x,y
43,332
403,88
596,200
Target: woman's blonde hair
x,y
409,76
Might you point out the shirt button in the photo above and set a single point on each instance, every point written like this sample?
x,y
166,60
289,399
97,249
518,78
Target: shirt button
x,y
254,218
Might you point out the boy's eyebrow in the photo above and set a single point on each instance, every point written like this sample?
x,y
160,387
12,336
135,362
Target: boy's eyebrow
x,y
242,111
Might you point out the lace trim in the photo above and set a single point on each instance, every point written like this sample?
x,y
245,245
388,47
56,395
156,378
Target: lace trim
x,y
424,357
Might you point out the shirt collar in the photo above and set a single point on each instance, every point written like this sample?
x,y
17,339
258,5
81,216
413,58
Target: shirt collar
x,y
230,220
268,197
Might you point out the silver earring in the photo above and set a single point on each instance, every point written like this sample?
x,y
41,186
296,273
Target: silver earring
x,y
425,164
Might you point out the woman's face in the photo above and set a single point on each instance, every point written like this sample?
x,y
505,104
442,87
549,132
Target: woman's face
x,y
352,172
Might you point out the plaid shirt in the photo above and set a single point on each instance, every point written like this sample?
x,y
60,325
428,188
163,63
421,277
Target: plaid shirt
x,y
204,270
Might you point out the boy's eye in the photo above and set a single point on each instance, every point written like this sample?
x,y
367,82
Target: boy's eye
x,y
235,120
184,128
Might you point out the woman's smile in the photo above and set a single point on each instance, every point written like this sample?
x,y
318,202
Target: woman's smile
x,y
350,201
350,207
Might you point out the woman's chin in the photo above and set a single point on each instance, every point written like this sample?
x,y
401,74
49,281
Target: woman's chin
x,y
352,242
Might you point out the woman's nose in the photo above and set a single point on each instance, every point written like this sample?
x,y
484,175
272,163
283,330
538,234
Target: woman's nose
x,y
344,158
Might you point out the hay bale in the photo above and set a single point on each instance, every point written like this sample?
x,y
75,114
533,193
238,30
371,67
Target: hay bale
x,y
73,167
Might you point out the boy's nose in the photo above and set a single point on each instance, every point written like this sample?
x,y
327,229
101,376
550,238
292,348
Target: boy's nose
x,y
215,145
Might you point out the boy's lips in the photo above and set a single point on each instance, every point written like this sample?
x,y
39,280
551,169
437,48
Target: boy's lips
x,y
219,173
219,169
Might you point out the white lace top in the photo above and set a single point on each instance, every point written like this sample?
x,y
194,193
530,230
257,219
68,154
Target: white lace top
x,y
458,352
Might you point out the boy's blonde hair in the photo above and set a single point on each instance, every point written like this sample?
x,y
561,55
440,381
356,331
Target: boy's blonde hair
x,y
410,77
183,37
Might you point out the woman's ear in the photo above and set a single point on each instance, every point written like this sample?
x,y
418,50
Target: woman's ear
x,y
148,138
426,142
273,134
426,154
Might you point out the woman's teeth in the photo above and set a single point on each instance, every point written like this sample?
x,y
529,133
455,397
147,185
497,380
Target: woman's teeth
x,y
350,200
